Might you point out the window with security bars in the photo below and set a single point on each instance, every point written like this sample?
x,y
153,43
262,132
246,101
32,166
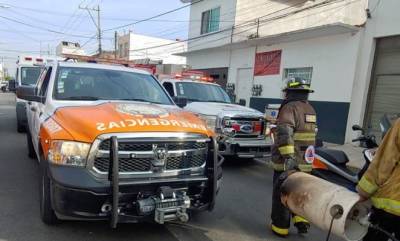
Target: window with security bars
x,y
210,20
304,73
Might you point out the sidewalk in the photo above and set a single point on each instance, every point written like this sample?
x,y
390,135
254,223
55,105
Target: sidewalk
x,y
354,153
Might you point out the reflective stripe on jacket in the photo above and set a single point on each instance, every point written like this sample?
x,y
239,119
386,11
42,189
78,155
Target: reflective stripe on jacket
x,y
295,131
381,181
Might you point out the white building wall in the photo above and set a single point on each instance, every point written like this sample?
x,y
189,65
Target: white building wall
x,y
205,59
142,47
384,22
277,17
221,37
332,58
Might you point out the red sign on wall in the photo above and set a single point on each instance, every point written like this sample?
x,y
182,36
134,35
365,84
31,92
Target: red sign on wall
x,y
268,63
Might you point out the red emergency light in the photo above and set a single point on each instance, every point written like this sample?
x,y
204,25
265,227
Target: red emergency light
x,y
28,58
39,60
207,78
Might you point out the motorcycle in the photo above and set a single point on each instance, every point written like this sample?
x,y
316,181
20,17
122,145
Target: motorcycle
x,y
332,165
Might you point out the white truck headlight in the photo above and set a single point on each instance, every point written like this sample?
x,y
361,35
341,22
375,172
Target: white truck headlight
x,y
68,153
210,121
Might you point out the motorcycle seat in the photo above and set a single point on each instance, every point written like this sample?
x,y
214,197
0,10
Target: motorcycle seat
x,y
333,156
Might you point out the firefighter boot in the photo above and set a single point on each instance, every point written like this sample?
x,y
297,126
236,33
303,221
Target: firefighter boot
x,y
301,224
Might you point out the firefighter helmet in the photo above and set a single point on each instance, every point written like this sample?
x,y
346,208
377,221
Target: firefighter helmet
x,y
296,83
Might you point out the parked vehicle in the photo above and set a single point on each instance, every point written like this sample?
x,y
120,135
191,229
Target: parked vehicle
x,y
28,71
240,130
4,86
331,164
112,145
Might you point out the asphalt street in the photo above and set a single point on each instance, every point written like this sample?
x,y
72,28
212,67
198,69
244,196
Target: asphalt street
x,y
242,211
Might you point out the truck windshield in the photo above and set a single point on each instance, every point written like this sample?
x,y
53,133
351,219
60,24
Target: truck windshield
x,y
29,75
202,92
101,84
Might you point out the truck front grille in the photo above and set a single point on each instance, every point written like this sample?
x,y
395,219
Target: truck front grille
x,y
125,164
255,127
128,146
136,156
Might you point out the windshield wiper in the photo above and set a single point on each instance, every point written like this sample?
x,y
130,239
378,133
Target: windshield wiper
x,y
140,100
217,101
195,100
82,98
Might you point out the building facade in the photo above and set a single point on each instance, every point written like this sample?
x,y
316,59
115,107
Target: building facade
x,y
145,49
65,47
259,43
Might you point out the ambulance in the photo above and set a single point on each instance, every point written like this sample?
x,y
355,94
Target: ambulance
x,y
27,73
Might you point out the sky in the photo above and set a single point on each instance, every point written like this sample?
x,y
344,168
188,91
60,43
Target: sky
x,y
64,16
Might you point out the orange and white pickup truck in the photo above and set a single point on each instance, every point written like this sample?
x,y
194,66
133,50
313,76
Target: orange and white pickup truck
x,y
112,145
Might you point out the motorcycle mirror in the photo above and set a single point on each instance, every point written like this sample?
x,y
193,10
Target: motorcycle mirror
x,y
357,128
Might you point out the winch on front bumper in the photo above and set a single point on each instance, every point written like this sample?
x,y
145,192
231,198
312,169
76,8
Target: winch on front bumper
x,y
169,205
129,197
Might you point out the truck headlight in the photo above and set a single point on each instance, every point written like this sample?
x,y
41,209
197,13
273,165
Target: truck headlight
x,y
68,153
210,121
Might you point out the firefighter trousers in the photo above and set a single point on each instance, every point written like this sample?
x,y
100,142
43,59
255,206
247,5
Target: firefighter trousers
x,y
280,215
387,222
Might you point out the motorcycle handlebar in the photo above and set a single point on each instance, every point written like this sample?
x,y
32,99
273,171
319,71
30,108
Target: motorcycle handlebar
x,y
361,138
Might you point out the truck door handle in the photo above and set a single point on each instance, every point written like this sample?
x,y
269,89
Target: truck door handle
x,y
33,108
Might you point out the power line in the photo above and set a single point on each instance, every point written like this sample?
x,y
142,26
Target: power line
x,y
250,21
231,11
43,28
150,18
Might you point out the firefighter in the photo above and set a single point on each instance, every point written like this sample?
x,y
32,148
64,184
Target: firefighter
x,y
294,133
381,184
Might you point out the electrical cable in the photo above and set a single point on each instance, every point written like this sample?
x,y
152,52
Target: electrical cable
x,y
155,16
389,235
253,22
338,212
43,28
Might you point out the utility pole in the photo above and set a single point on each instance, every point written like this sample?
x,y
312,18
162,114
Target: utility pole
x,y
97,24
115,44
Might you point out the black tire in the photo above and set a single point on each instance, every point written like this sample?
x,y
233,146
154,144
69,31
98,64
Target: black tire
x,y
20,128
29,143
47,213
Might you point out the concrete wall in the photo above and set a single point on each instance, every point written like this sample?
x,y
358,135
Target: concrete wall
x,y
384,21
207,59
277,17
139,43
227,20
146,47
333,59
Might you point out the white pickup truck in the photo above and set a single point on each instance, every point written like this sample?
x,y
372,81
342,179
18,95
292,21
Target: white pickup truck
x,y
240,130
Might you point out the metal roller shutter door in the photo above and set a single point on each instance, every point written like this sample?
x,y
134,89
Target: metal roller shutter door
x,y
385,86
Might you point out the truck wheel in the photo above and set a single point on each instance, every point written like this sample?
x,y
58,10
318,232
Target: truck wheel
x,y
46,211
20,127
31,150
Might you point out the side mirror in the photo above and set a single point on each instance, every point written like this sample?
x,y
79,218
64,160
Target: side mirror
x,y
12,85
181,101
28,93
357,128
